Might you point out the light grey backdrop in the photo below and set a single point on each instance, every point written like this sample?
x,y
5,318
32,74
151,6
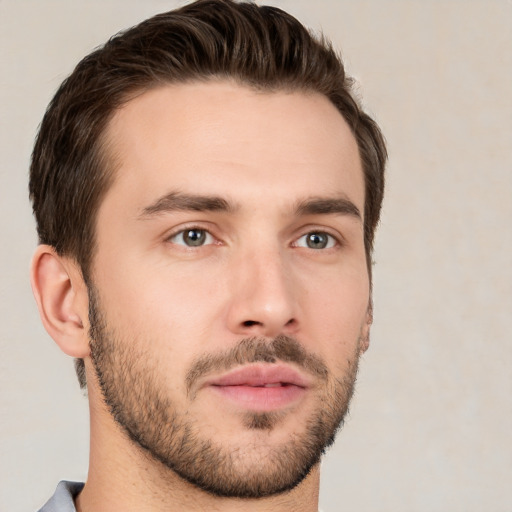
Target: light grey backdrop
x,y
432,418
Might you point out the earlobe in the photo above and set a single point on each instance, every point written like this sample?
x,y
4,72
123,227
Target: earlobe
x,y
365,332
61,297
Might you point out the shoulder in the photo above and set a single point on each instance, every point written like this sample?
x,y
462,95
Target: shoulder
x,y
63,498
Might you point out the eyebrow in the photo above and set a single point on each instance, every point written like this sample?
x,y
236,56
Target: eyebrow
x,y
331,205
177,201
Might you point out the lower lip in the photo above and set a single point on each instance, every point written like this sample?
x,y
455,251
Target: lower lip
x,y
261,398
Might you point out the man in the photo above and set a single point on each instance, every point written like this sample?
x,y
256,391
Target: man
x,y
206,191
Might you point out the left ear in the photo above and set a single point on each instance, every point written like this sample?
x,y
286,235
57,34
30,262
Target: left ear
x,y
365,331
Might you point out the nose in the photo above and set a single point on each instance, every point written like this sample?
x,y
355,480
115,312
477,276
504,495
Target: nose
x,y
262,296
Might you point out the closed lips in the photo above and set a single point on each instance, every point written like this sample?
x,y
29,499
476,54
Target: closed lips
x,y
261,375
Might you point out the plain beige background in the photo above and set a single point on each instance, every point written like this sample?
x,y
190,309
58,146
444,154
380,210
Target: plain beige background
x,y
431,423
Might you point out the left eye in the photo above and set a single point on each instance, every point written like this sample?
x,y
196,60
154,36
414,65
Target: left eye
x,y
192,238
316,240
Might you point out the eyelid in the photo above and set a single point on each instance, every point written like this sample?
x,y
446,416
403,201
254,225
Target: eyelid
x,y
334,234
190,227
307,230
331,243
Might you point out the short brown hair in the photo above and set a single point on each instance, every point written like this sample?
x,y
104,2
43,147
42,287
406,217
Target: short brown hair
x,y
258,46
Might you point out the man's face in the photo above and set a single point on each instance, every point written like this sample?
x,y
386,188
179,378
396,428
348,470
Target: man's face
x,y
230,291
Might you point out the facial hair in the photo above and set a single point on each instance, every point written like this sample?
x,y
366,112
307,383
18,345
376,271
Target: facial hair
x,y
147,414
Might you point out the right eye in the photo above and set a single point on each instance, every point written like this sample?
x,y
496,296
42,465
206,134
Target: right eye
x,y
192,237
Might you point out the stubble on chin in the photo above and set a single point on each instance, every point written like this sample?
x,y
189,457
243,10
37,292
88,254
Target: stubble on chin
x,y
261,421
151,419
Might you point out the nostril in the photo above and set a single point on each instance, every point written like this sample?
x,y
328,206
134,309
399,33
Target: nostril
x,y
250,323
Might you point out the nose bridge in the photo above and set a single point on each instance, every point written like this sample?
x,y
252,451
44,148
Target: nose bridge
x,y
263,299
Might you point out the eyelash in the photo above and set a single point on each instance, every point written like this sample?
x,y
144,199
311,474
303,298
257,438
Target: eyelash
x,y
332,240
171,238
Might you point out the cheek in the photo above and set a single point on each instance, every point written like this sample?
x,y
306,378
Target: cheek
x,y
342,292
339,311
162,304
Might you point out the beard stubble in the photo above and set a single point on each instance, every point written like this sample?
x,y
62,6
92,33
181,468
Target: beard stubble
x,y
146,413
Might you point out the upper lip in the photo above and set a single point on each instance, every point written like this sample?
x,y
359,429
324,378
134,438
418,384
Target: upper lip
x,y
261,375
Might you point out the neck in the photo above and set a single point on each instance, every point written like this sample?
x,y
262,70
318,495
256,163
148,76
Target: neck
x,y
123,476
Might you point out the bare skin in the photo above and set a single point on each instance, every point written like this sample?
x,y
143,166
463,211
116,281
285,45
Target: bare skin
x,y
270,157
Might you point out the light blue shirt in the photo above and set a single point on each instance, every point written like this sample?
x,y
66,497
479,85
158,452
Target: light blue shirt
x,y
62,500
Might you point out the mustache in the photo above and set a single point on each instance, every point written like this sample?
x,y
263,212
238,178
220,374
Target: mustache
x,y
257,350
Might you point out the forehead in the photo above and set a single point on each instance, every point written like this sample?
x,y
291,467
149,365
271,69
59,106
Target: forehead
x,y
223,138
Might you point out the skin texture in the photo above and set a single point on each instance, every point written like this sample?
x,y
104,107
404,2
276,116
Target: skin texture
x,y
268,163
